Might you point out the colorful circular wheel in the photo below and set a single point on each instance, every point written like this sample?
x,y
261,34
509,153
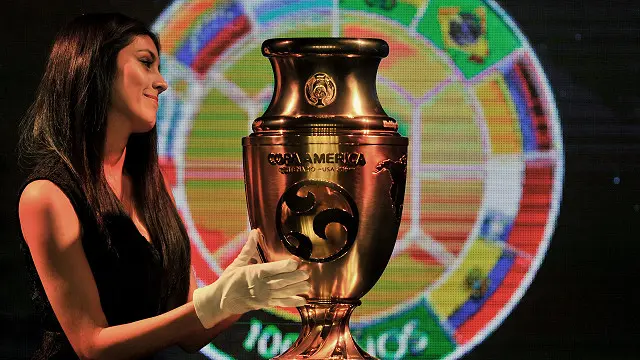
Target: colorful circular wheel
x,y
485,157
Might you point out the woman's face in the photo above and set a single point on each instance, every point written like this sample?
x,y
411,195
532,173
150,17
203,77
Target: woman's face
x,y
137,85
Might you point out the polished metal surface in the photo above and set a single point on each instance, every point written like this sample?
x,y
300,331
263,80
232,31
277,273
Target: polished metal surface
x,y
325,174
325,333
351,64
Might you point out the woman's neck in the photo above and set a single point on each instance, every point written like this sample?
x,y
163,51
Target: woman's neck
x,y
115,151
112,167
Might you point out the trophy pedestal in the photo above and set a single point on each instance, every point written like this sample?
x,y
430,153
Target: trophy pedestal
x,y
325,333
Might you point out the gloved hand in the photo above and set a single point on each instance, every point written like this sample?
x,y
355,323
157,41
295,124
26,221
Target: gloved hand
x,y
242,288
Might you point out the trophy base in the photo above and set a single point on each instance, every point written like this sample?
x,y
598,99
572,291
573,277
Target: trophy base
x,y
325,333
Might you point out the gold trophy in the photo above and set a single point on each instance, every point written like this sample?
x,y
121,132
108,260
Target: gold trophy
x,y
325,172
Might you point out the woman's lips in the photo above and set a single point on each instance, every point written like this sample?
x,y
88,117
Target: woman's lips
x,y
154,98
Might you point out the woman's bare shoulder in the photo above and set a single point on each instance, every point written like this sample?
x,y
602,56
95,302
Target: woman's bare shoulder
x,y
42,195
40,190
45,212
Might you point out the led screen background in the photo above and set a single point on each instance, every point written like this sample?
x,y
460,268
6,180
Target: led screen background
x,y
484,172
461,210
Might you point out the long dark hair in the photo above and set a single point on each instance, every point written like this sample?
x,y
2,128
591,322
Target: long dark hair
x,y
68,120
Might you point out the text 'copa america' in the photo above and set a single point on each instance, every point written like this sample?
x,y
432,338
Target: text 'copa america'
x,y
301,159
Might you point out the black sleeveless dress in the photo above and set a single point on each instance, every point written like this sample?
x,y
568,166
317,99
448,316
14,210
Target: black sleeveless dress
x,y
128,271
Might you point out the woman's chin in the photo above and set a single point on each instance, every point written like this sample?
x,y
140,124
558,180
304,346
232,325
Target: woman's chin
x,y
144,127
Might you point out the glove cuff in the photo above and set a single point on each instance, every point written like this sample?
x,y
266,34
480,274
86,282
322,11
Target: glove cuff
x,y
206,303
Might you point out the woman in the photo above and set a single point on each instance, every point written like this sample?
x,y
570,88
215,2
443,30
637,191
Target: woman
x,y
106,247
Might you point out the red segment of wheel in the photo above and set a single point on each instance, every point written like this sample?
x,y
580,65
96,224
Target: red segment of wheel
x,y
168,170
225,38
533,214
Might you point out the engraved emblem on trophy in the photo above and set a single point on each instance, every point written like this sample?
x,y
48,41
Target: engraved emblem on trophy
x,y
325,174
332,213
320,90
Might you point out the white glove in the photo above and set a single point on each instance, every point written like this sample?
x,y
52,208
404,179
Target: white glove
x,y
249,253
243,288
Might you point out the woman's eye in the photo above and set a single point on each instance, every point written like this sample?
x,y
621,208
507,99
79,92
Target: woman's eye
x,y
146,62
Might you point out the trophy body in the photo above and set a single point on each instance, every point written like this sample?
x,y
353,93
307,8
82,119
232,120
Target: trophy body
x,y
325,174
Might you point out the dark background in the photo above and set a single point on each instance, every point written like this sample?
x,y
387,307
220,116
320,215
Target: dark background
x,y
582,303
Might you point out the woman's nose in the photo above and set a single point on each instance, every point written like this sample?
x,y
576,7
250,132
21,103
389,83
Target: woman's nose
x,y
160,84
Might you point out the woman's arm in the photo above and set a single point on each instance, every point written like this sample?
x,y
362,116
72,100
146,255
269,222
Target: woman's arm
x,y
196,341
199,339
52,231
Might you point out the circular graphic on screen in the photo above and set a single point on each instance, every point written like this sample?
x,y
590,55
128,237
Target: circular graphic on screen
x,y
485,160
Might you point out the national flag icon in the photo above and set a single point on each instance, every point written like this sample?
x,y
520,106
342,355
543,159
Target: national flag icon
x,y
465,31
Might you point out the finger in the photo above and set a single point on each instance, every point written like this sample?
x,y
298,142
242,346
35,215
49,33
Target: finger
x,y
281,280
250,248
292,301
249,251
256,258
277,267
300,288
255,235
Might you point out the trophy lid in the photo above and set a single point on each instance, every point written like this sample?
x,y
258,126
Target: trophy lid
x,y
325,86
325,46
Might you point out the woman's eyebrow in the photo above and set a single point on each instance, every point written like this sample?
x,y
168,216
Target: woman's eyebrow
x,y
153,56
